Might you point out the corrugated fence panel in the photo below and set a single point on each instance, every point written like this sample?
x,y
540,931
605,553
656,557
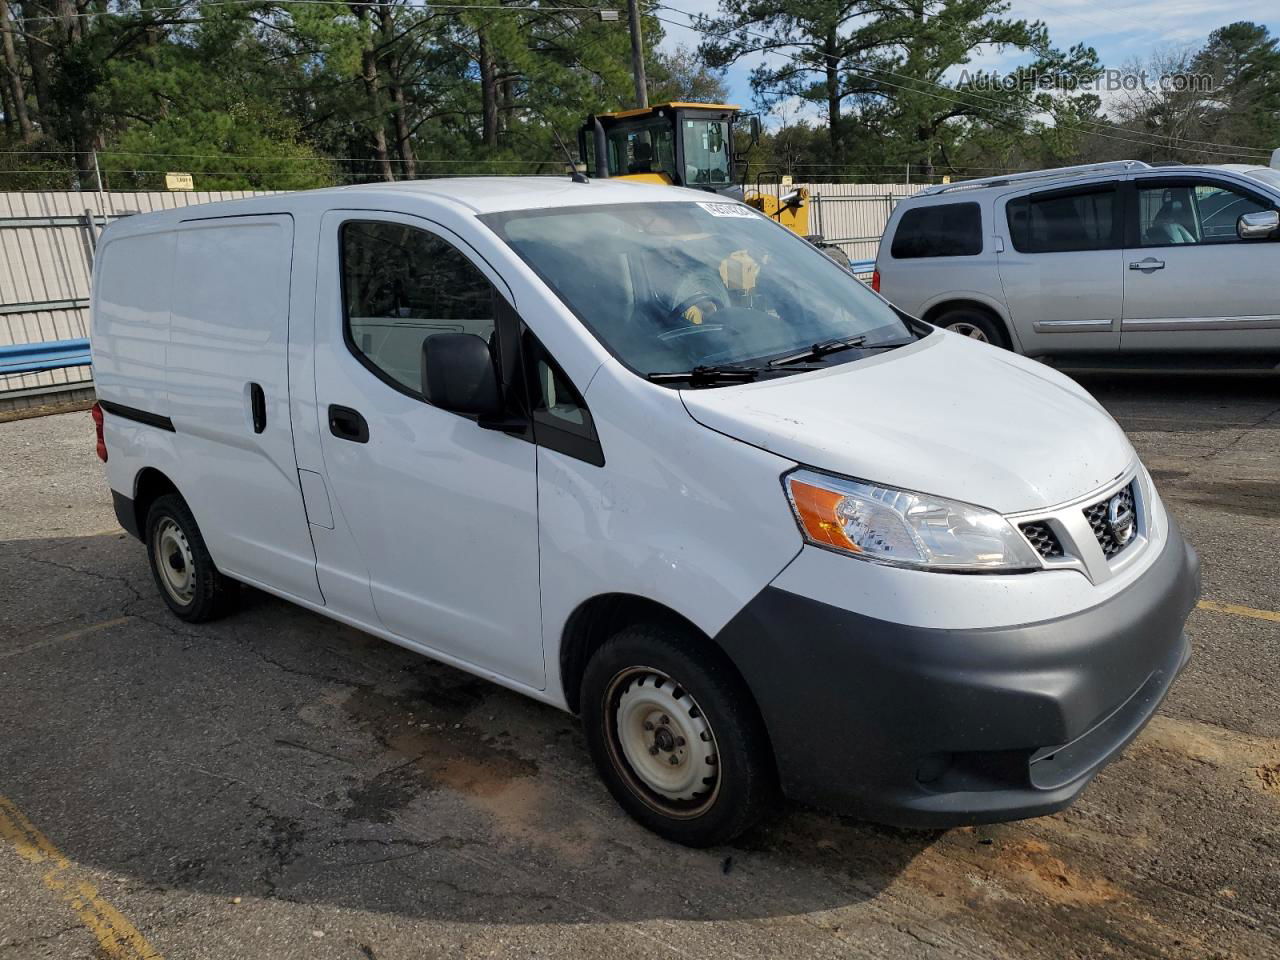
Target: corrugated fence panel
x,y
853,215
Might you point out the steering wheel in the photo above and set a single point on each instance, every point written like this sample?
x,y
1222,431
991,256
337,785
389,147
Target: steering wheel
x,y
677,314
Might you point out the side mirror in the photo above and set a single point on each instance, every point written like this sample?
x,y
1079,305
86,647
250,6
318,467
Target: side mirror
x,y
1257,226
458,374
754,127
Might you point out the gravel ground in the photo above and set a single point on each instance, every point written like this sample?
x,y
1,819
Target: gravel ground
x,y
276,785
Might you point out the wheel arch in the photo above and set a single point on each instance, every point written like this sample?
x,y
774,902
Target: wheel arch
x,y
935,311
598,618
148,486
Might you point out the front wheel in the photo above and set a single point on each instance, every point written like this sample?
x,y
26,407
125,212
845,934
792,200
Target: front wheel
x,y
676,736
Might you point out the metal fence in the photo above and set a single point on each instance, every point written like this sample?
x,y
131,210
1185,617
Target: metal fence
x,y
47,241
853,215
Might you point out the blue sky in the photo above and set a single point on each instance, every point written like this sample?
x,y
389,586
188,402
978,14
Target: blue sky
x,y
1119,31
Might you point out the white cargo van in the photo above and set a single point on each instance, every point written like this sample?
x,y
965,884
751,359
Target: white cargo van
x,y
653,459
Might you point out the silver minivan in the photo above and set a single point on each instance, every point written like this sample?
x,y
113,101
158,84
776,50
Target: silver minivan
x,y
1095,259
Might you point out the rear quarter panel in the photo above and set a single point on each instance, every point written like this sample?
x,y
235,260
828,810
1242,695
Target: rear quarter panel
x,y
923,284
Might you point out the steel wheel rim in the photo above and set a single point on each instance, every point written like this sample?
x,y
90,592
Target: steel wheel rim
x,y
966,329
174,561
673,766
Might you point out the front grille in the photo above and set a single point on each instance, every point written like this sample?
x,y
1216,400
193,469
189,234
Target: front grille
x,y
1043,539
1097,517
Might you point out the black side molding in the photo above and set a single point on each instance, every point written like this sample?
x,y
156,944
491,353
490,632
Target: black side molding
x,y
136,415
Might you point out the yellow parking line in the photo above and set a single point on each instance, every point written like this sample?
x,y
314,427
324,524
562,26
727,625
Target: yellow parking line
x,y
116,936
1238,611
73,635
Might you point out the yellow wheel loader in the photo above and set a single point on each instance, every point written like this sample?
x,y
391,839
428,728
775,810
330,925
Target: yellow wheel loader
x,y
686,145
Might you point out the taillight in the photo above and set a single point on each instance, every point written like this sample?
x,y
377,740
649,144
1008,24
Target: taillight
x,y
875,280
96,412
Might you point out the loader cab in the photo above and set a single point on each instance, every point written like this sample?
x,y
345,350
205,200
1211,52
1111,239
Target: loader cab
x,y
677,144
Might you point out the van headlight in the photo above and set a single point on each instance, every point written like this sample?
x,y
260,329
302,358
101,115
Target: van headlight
x,y
904,528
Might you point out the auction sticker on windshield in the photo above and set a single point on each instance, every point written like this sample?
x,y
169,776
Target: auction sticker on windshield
x,y
728,210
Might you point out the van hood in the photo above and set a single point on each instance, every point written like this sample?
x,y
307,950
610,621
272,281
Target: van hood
x,y
946,415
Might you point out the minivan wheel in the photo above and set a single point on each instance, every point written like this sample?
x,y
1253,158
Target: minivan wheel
x,y
676,736
180,563
974,324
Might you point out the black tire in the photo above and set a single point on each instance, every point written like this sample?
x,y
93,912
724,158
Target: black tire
x,y
745,782
208,594
967,320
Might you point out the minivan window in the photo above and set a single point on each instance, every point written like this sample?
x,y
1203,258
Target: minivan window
x,y
670,286
939,230
1178,213
400,285
1061,222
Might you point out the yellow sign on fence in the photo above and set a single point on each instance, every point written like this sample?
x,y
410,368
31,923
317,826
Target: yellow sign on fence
x,y
179,181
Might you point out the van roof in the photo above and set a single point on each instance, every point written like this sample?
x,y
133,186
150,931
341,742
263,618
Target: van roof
x,y
479,194
494,194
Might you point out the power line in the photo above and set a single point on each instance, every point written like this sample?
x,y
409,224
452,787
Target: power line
x,y
1156,141
425,8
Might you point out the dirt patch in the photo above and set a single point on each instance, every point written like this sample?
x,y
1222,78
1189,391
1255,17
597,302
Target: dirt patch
x,y
1031,862
976,868
1253,760
425,728
1269,777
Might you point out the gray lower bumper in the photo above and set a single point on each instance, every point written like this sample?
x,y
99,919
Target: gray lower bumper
x,y
931,728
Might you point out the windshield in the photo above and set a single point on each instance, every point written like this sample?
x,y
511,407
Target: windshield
x,y
668,287
706,151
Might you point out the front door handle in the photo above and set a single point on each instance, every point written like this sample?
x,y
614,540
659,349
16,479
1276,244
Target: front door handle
x,y
1151,263
348,424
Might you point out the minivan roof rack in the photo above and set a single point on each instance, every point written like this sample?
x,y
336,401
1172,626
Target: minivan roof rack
x,y
1081,170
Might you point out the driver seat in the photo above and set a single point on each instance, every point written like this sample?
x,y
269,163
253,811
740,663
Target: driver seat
x,y
1169,226
643,162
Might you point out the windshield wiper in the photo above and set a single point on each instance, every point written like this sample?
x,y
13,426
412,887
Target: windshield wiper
x,y
819,350
705,376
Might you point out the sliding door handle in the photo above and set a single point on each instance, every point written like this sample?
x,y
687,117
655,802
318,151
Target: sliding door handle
x,y
348,424
1151,263
258,407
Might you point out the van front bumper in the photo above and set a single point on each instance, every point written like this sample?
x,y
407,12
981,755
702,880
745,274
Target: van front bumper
x,y
922,727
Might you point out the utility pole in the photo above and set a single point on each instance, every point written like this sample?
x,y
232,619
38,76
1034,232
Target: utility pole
x,y
637,54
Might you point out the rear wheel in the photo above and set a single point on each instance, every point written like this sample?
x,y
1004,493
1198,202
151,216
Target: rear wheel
x,y
184,571
975,324
676,736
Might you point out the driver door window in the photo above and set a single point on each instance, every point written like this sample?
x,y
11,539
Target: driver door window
x,y
400,285
1191,213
